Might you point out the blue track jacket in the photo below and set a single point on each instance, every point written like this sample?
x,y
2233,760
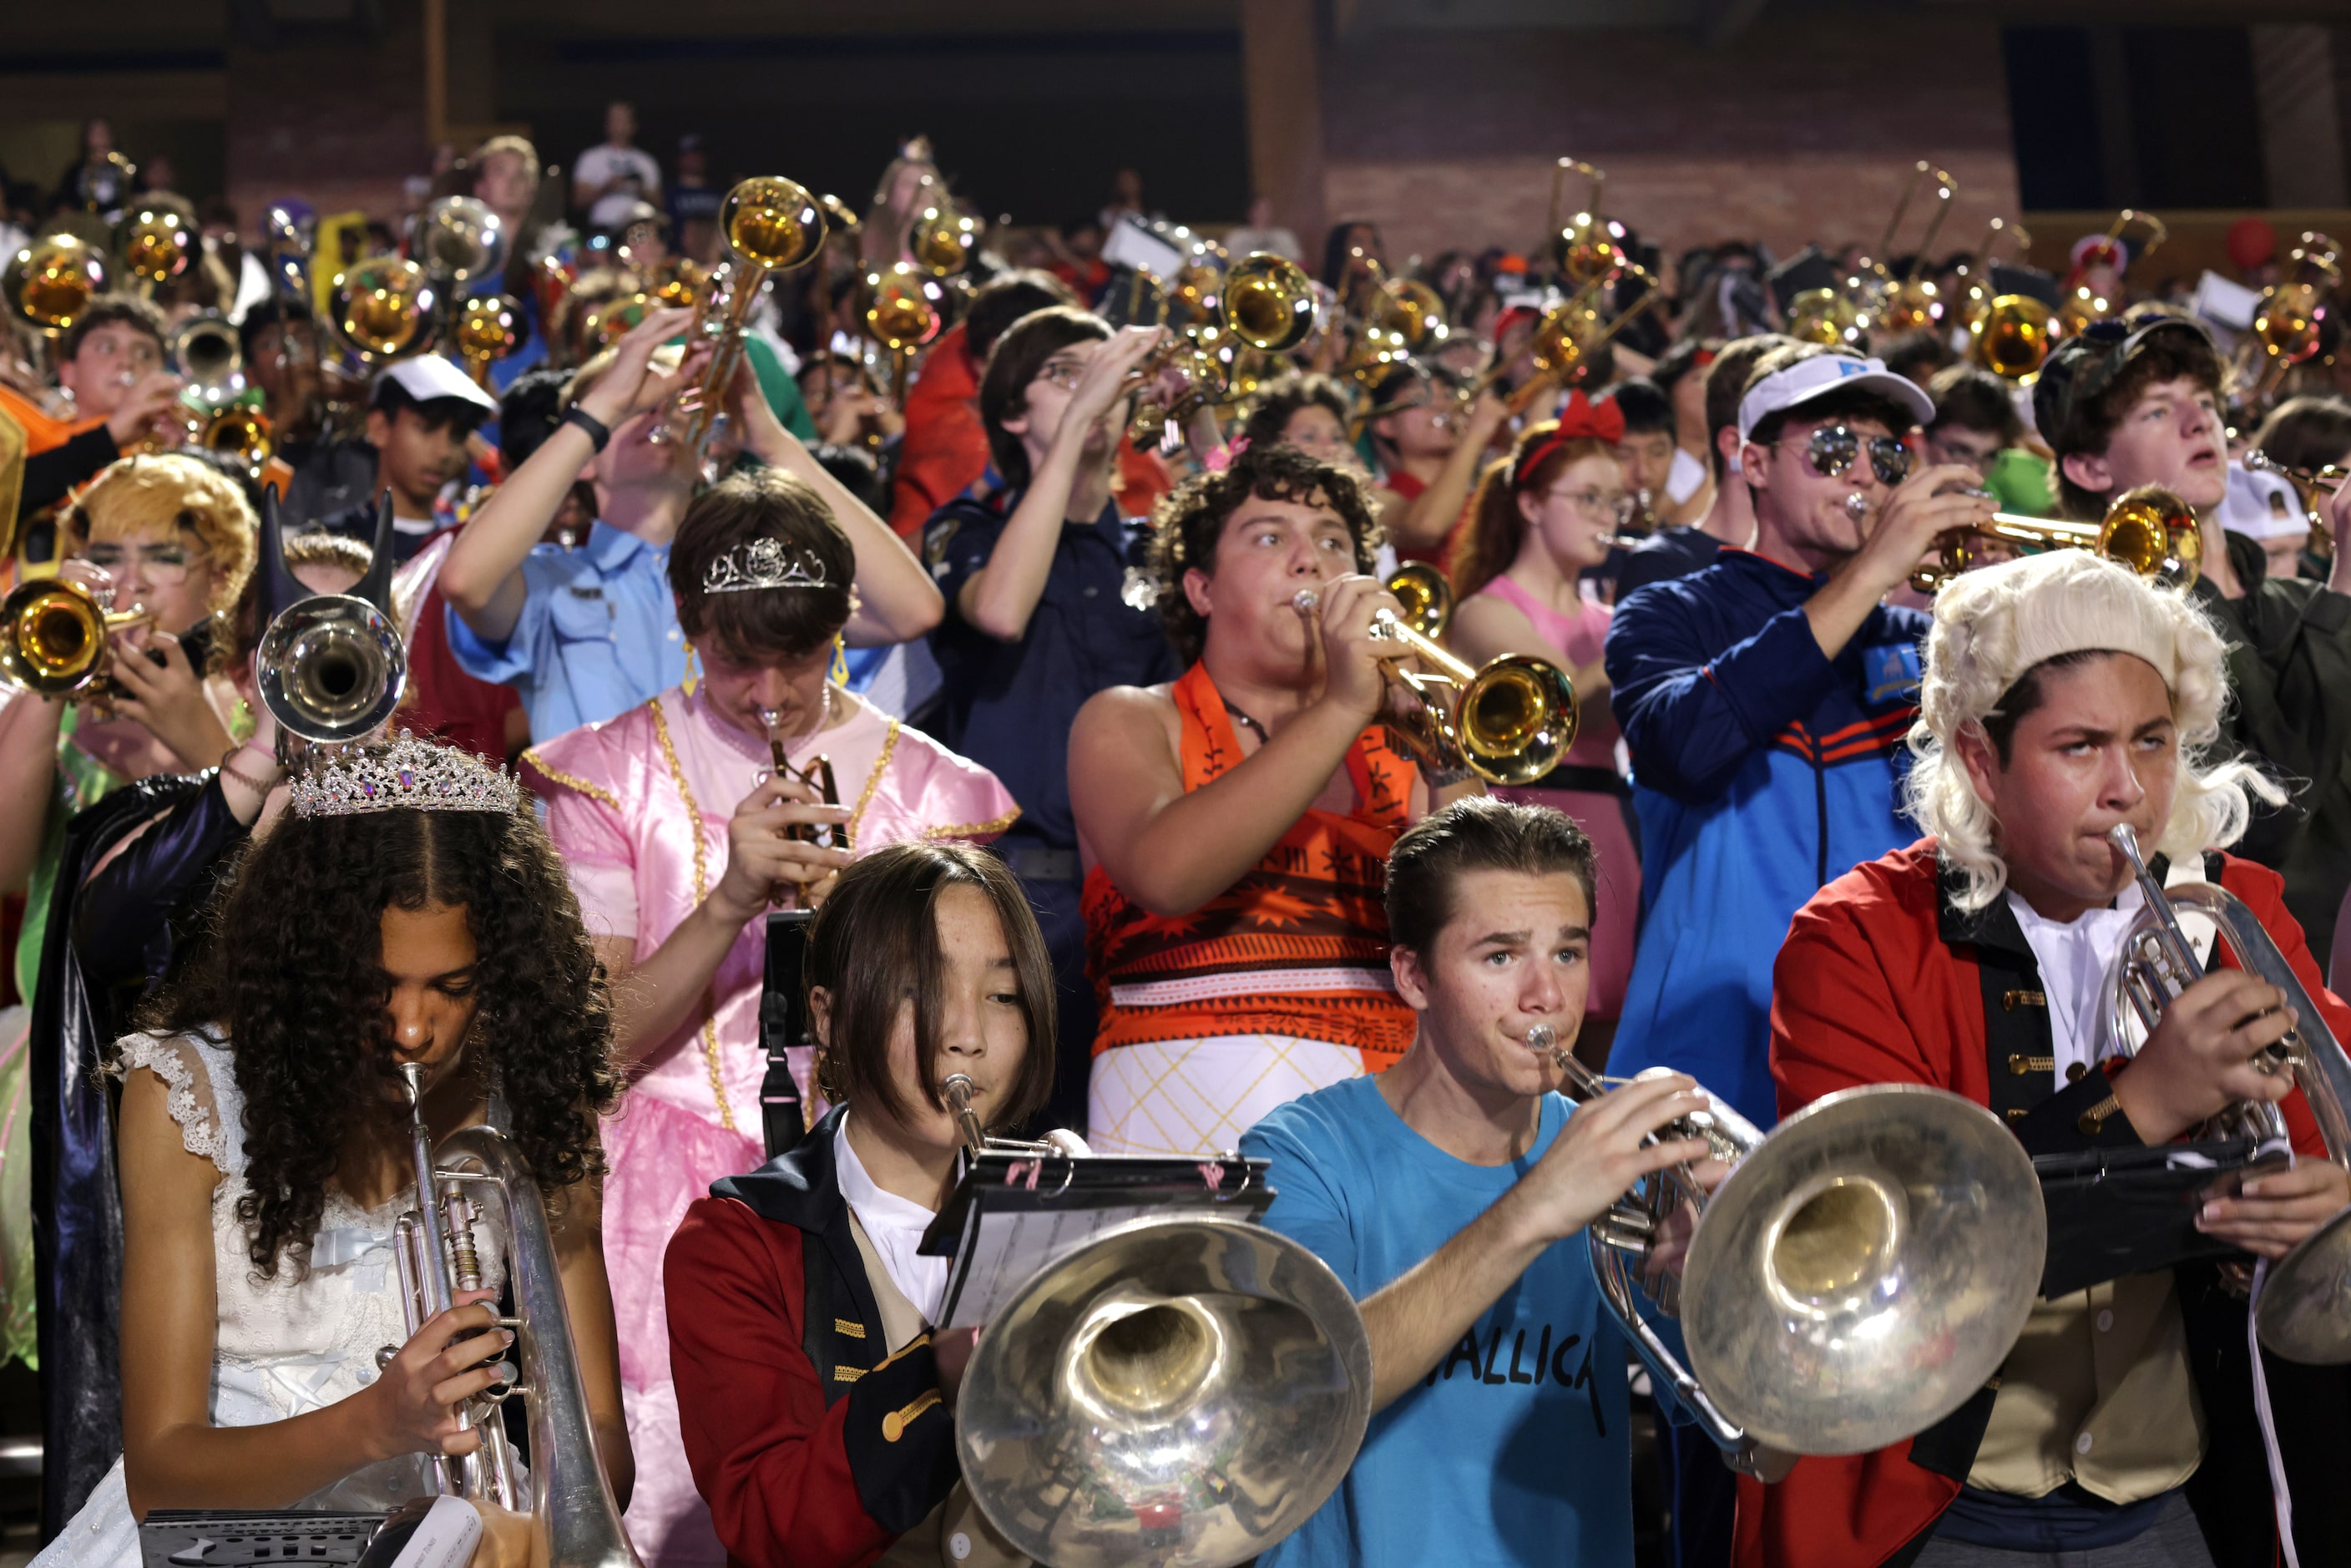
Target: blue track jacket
x,y
1761,771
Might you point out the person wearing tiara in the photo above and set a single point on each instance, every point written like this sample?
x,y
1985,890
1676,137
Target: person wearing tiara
x,y
409,910
1237,820
682,821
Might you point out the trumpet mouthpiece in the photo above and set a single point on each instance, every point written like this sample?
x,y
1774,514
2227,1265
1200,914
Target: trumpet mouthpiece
x,y
1305,601
1857,507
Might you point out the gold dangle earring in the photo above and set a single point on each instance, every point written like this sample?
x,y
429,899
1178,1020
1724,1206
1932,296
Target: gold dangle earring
x,y
838,673
692,676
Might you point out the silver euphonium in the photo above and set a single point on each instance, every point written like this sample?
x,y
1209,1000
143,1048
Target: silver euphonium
x,y
1855,1278
440,1248
2303,1313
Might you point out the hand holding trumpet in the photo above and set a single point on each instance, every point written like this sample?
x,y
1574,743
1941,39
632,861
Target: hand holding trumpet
x,y
1339,617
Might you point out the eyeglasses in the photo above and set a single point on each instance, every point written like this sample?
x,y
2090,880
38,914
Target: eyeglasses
x,y
1833,449
1615,507
165,565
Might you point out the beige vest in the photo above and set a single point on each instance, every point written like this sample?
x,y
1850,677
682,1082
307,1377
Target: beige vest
x,y
2097,1391
956,1534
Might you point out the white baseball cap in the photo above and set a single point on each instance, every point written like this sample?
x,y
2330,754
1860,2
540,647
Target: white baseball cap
x,y
426,377
1818,376
2263,506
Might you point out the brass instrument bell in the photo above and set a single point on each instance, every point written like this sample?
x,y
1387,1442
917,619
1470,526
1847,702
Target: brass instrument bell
x,y
2012,336
1582,247
53,637
156,243
2290,312
380,309
50,282
488,328
2147,529
943,240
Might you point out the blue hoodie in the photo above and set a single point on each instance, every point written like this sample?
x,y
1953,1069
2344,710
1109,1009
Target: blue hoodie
x,y
1761,771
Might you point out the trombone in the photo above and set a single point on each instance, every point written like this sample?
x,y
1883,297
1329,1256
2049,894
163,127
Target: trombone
x,y
54,638
1510,722
1571,332
1583,250
905,309
2082,306
1910,302
2287,320
50,282
2147,529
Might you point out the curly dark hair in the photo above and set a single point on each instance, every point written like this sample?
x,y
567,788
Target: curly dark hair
x,y
1188,524
303,1004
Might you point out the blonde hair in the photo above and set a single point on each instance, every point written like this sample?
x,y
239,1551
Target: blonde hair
x,y
164,494
1996,627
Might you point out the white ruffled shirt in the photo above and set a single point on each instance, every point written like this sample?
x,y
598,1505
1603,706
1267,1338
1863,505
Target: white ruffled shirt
x,y
895,1225
2075,958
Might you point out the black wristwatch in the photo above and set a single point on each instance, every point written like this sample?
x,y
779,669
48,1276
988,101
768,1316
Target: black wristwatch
x,y
598,431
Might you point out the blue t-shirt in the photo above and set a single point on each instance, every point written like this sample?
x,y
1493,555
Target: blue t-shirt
x,y
597,634
1515,1448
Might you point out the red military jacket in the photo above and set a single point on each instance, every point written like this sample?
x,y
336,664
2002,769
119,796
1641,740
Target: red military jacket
x,y
811,1449
1883,980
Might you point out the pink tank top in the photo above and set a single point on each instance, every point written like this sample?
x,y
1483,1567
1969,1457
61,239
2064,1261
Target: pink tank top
x,y
1579,638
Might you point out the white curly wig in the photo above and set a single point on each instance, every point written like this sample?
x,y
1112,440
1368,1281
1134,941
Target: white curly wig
x,y
1994,627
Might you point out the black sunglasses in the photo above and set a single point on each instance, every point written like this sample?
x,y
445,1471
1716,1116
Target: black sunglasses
x,y
1832,449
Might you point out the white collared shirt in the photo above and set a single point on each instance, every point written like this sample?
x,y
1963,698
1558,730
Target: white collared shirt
x,y
2075,958
895,1225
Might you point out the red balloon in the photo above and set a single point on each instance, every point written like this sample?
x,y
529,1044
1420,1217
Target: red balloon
x,y
2252,243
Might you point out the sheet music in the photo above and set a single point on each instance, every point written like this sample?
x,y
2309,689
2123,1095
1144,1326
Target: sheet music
x,y
1009,1249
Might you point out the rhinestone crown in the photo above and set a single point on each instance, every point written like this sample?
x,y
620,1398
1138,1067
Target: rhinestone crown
x,y
764,563
408,773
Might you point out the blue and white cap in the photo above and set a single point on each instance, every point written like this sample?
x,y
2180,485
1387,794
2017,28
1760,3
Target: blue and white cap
x,y
1818,376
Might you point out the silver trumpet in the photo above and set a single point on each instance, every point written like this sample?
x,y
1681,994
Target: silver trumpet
x,y
2304,1310
440,1249
1858,1275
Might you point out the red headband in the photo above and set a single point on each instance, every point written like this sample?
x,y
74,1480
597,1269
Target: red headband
x,y
1581,420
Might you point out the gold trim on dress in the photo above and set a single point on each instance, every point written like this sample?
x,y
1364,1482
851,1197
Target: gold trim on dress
x,y
533,761
975,829
873,781
701,892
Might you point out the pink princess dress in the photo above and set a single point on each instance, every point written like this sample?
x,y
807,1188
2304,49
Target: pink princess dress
x,y
637,806
1587,787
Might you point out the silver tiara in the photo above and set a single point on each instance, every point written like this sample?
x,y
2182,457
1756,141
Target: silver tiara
x,y
764,563
408,774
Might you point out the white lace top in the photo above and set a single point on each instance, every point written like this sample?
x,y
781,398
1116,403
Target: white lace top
x,y
300,1339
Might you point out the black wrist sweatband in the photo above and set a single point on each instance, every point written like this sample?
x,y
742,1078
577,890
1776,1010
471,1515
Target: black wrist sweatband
x,y
598,433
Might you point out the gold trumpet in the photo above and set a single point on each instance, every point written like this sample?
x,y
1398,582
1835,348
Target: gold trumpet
x,y
382,307
2147,529
1510,722
53,638
772,224
1267,304
51,282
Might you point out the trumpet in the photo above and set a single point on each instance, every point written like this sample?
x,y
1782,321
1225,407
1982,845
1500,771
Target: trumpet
x,y
54,638
50,282
2302,1312
817,776
2147,529
771,225
439,1248
210,359
382,307
1510,722
1267,304
1855,1278
2308,482
156,243
331,666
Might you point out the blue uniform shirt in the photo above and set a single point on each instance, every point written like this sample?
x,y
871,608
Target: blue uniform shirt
x,y
1762,770
597,634
1009,705
1514,1449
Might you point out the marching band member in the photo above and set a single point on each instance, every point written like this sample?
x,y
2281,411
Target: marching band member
x,y
176,538
411,910
2065,697
1451,1193
1729,522
815,1395
2125,405
1237,820
1543,517
1429,451
111,369
675,821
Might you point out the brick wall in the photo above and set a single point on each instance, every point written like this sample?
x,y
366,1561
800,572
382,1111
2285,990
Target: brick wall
x,y
1446,139
330,117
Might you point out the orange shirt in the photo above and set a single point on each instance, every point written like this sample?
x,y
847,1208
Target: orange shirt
x,y
43,431
1297,946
